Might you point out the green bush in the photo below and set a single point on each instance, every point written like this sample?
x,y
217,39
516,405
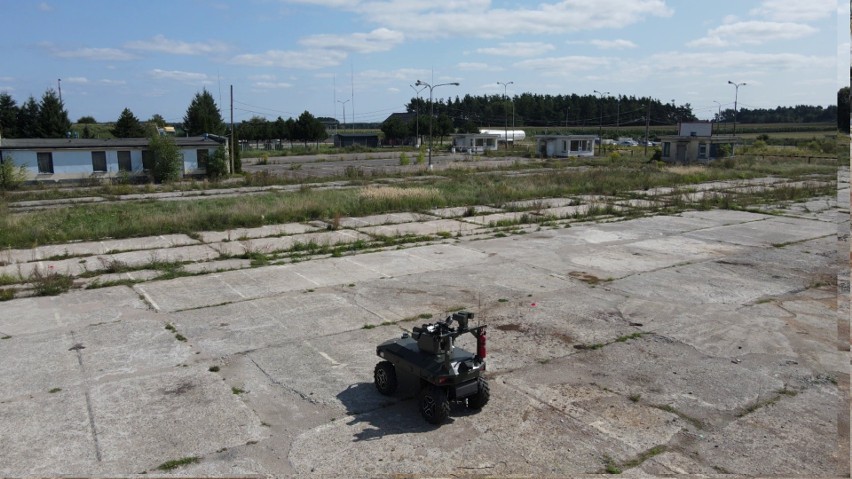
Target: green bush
x,y
404,160
168,162
217,165
11,175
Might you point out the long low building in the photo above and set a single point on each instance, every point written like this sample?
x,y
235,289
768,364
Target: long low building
x,y
64,159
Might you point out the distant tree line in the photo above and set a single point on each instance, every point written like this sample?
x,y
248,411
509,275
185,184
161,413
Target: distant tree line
x,y
305,129
781,114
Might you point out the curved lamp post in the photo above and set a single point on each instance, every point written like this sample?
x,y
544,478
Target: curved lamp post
x,y
417,116
736,94
506,116
432,110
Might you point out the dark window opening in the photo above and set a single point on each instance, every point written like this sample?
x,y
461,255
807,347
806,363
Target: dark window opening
x,y
147,160
45,162
201,156
99,161
124,163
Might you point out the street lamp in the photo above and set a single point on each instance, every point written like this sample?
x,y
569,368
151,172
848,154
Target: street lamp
x,y
600,125
736,94
505,116
417,117
344,116
432,110
718,115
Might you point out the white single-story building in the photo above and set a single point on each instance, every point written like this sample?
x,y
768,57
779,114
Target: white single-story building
x,y
56,159
475,142
695,143
565,146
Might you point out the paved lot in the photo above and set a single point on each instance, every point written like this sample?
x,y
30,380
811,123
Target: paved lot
x,y
268,370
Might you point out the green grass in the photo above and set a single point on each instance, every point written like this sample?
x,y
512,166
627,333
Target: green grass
x,y
454,188
174,464
237,390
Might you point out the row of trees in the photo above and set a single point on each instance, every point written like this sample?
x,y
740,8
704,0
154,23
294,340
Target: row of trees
x,y
34,119
305,129
781,114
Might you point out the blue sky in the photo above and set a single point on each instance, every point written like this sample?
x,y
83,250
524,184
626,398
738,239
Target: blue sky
x,y
287,56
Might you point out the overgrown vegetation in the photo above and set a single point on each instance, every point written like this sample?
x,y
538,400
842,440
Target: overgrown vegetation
x,y
455,188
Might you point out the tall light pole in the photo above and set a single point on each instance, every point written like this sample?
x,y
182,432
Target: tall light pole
x,y
718,115
506,115
417,117
736,95
432,110
344,116
59,85
600,125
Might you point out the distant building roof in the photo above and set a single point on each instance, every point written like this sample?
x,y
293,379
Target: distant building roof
x,y
403,117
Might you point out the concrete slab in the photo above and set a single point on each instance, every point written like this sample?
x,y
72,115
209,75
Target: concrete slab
x,y
174,414
447,226
256,324
462,211
495,219
74,309
387,219
768,232
286,243
261,232
95,248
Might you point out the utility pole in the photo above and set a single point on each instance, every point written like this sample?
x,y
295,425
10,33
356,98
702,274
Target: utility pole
x,y
233,135
506,115
647,127
59,83
600,125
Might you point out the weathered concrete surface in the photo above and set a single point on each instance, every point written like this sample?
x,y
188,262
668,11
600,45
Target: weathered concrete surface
x,y
709,336
462,211
450,227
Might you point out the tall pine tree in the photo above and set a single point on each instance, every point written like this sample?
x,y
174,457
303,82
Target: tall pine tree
x,y
53,120
28,119
128,126
8,116
203,116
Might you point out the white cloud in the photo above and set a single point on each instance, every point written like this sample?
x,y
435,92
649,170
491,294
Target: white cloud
x,y
163,45
379,40
301,60
613,44
45,7
78,80
186,77
517,49
478,18
265,85
107,81
564,66
752,33
696,63
795,10
98,54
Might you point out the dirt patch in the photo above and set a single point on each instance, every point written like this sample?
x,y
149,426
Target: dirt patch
x,y
510,327
585,277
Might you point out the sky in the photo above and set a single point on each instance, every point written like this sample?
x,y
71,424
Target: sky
x,y
283,57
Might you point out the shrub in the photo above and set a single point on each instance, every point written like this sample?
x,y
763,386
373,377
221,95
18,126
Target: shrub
x,y
11,175
168,162
404,160
217,165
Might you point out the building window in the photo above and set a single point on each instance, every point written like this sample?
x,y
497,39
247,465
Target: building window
x,y
575,145
667,148
45,162
124,163
201,157
99,161
564,145
702,150
147,160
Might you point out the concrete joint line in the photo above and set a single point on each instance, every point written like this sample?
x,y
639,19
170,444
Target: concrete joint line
x,y
89,409
148,298
280,384
230,287
305,278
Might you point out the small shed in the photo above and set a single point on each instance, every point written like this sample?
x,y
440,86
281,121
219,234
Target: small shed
x,y
475,142
695,143
565,146
356,139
